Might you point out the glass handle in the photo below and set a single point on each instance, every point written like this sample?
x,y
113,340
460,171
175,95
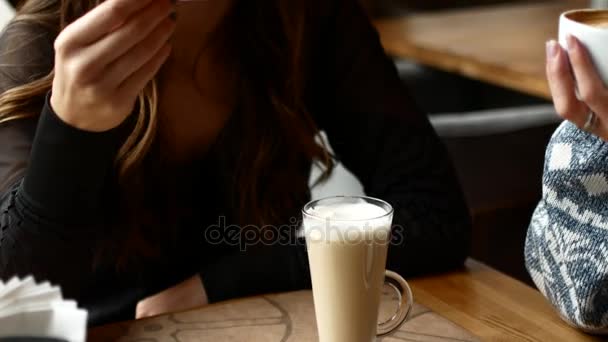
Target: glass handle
x,y
406,302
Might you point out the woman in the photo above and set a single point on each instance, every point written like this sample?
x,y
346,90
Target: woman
x,y
568,241
130,139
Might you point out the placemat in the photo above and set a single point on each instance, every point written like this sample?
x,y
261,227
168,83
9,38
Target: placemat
x,y
285,317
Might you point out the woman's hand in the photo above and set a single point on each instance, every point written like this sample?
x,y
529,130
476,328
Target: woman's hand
x,y
187,295
572,69
106,57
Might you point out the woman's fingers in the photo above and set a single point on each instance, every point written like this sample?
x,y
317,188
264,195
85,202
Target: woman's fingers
x,y
100,21
83,95
138,80
574,70
133,32
591,88
189,294
563,85
125,66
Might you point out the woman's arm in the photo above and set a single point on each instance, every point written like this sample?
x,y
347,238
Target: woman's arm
x,y
379,134
55,168
51,176
567,243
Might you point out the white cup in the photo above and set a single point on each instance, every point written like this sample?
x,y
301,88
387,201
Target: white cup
x,y
594,38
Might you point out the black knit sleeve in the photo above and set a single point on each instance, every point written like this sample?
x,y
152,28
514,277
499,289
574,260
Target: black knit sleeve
x,y
51,203
379,134
51,176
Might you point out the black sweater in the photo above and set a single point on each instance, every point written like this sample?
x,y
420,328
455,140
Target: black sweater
x,y
54,178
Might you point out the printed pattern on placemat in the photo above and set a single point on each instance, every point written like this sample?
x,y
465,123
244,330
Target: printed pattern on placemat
x,y
285,317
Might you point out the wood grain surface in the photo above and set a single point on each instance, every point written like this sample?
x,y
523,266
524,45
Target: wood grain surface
x,y
474,304
287,317
494,306
501,44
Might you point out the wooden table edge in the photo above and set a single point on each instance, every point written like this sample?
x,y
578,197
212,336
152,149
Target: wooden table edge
x,y
486,72
397,46
493,326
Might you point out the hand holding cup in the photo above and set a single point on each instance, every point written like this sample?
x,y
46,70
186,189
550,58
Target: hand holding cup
x,y
577,70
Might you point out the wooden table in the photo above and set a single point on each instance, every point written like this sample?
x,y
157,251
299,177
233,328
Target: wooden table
x,y
502,44
475,304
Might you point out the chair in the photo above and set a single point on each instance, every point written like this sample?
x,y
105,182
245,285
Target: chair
x,y
497,141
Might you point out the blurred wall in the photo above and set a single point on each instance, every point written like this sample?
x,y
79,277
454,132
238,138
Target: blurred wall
x,y
395,7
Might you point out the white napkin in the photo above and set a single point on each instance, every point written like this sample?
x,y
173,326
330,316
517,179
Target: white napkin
x,y
39,310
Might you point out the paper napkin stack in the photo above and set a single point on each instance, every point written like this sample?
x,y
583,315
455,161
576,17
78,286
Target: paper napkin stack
x,y
28,309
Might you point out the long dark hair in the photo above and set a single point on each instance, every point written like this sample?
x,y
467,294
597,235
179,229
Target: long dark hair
x,y
270,38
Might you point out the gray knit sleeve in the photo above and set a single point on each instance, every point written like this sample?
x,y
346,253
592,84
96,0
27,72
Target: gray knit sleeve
x,y
567,243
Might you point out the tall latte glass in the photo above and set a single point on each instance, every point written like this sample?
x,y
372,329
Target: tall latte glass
x,y
347,240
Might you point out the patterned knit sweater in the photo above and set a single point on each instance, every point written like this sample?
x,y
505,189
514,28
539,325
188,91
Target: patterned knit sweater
x,y
567,243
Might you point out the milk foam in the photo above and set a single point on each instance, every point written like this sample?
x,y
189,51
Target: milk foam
x,y
351,220
358,210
